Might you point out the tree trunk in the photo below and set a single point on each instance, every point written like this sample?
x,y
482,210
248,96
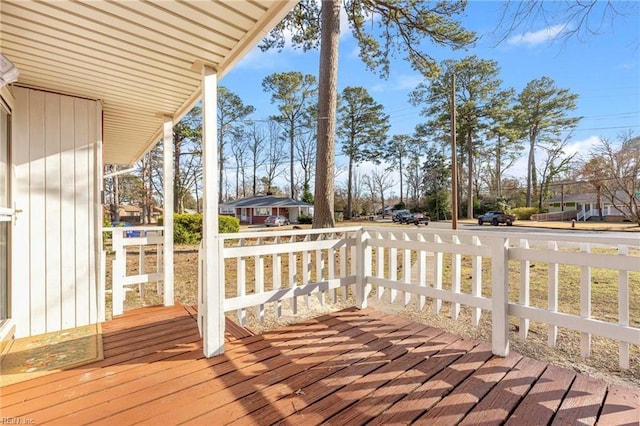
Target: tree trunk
x,y
349,185
254,189
327,105
599,201
531,164
400,166
499,168
220,168
470,176
291,153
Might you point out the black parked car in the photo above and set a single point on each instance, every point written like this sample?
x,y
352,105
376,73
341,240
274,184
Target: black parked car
x,y
400,216
418,218
496,217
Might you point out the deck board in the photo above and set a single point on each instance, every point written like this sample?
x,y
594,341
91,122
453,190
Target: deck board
x,y
349,367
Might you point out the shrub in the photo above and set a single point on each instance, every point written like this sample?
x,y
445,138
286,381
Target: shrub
x,y
305,219
228,224
187,227
524,213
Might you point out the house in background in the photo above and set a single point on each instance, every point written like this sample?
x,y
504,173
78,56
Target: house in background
x,y
129,213
254,210
585,206
84,84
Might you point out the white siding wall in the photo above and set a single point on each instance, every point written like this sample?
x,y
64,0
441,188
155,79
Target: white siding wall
x,y
56,147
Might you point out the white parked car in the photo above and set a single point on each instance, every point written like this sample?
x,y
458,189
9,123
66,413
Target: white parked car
x,y
276,220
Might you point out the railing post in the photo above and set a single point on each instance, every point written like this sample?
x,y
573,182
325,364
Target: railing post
x,y
552,297
117,273
437,273
623,307
585,302
456,278
102,287
500,296
476,284
363,258
525,282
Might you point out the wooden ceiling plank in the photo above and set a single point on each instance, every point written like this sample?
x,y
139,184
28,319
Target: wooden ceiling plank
x,y
103,78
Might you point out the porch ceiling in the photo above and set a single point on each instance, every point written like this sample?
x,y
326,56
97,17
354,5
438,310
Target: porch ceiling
x,y
137,56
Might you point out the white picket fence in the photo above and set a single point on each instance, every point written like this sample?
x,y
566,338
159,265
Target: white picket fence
x,y
276,270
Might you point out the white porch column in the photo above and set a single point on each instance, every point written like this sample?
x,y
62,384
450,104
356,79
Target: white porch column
x,y
167,165
213,272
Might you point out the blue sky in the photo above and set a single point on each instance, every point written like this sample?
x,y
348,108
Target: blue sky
x,y
603,69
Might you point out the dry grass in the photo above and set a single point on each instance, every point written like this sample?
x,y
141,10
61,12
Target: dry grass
x,y
602,363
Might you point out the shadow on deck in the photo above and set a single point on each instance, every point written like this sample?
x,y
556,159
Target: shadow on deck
x,y
348,367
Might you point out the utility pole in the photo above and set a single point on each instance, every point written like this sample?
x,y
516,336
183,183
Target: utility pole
x,y
454,160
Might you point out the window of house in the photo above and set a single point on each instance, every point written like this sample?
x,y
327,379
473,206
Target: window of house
x,y
227,210
262,211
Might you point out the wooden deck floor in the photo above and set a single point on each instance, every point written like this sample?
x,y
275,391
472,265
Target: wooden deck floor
x,y
351,367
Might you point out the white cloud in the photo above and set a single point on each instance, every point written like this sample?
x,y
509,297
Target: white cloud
x,y
272,59
399,83
627,66
582,147
538,37
408,81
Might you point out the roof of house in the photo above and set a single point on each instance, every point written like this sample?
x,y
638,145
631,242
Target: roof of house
x,y
587,197
130,208
583,197
142,59
265,201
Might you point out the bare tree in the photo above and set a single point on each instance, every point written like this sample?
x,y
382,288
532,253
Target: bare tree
x,y
275,155
305,148
256,139
593,172
230,112
554,165
621,174
379,181
580,18
239,150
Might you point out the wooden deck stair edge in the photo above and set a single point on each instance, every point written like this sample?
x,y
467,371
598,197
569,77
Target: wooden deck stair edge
x,y
232,329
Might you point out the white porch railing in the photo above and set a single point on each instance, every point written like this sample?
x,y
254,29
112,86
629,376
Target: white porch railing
x,y
274,268
148,240
555,216
584,215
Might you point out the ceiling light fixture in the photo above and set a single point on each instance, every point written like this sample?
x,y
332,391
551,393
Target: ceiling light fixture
x,y
8,72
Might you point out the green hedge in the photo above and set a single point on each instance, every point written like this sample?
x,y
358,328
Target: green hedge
x,y
524,213
228,224
305,219
187,227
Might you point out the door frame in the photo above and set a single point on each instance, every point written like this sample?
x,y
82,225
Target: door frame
x,y
7,215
